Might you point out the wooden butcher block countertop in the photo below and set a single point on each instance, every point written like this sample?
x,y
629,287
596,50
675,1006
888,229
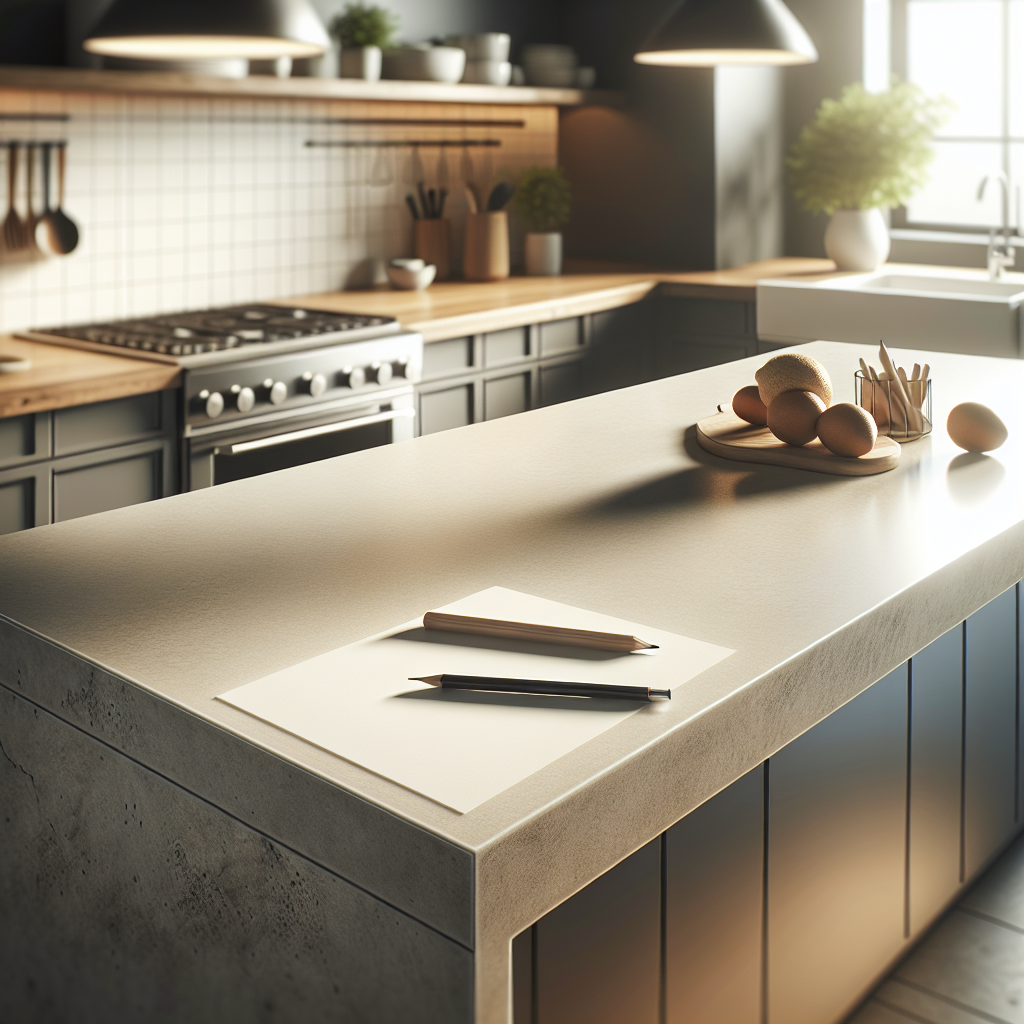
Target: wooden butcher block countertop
x,y
62,377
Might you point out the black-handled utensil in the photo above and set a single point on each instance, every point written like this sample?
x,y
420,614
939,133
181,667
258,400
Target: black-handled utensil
x,y
500,195
412,207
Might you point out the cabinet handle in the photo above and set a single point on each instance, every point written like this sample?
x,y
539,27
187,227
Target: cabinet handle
x,y
324,428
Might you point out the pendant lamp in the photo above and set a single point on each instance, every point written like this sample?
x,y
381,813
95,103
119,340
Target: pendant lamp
x,y
208,30
704,33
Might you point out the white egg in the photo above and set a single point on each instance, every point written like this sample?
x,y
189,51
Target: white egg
x,y
975,427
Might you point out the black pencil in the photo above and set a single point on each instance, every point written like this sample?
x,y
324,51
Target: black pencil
x,y
544,686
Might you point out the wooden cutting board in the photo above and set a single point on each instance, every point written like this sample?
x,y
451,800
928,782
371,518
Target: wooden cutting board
x,y
727,435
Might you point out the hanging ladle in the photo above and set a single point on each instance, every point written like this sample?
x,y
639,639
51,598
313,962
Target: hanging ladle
x,y
56,232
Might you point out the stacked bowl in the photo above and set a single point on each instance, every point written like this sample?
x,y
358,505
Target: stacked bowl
x,y
486,57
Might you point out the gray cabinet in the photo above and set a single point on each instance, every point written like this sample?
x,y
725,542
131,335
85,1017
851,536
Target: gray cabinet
x,y
990,717
936,739
692,333
598,956
714,873
85,459
837,856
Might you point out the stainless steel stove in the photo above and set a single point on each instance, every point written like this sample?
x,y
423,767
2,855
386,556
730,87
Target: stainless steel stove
x,y
269,387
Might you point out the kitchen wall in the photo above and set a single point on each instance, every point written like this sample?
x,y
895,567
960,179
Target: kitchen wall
x,y
189,203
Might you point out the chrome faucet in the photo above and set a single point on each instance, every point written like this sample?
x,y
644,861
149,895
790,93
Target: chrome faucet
x,y
1001,255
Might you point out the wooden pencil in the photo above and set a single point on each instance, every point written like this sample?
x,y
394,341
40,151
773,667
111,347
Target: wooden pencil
x,y
620,643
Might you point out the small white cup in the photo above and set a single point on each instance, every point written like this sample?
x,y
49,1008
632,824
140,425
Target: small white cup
x,y
412,280
488,72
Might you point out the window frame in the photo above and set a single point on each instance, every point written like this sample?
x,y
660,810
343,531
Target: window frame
x,y
899,48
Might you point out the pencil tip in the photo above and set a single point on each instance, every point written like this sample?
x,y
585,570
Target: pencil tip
x,y
654,647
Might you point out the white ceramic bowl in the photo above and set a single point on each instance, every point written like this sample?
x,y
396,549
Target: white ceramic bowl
x,y
427,64
484,45
412,280
488,72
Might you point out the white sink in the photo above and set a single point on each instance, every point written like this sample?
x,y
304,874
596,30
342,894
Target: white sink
x,y
937,308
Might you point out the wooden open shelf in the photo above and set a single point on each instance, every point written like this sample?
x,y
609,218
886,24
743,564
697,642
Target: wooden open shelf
x,y
166,83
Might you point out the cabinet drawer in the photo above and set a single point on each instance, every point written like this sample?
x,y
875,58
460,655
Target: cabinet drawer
x,y
442,358
136,473
504,396
24,438
446,409
24,498
559,336
511,346
104,424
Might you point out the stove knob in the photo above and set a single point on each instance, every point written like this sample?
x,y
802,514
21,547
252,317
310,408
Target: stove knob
x,y
380,373
352,377
314,384
277,391
213,405
404,369
245,398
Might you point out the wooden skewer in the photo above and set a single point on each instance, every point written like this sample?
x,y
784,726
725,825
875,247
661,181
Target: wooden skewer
x,y
617,642
913,419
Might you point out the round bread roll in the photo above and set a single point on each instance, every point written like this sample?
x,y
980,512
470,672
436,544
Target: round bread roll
x,y
793,417
975,427
847,429
793,371
747,404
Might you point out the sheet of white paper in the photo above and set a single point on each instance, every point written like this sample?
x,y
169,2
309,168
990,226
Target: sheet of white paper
x,y
461,748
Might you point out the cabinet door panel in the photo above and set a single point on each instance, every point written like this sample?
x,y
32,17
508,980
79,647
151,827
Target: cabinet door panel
x,y
936,721
106,424
504,396
443,410
714,872
836,856
561,382
511,346
107,485
442,358
24,438
24,498
705,316
685,354
990,711
559,336
598,954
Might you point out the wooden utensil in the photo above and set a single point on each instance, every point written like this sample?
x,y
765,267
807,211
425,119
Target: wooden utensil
x,y
15,236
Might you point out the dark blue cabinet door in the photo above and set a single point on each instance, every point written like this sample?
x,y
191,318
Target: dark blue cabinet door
x,y
837,823
990,730
936,720
714,875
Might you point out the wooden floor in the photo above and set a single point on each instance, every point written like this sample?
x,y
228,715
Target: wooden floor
x,y
970,967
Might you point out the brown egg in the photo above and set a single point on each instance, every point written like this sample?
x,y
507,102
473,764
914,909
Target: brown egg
x,y
793,371
747,404
975,427
847,429
793,416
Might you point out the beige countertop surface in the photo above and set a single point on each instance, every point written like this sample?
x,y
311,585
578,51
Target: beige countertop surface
x,y
820,584
62,376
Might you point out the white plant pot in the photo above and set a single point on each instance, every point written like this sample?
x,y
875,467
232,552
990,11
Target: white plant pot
x,y
361,62
857,239
544,254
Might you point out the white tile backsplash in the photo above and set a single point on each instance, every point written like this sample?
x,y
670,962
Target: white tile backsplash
x,y
195,203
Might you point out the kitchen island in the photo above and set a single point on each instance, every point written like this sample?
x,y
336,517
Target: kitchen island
x,y
168,856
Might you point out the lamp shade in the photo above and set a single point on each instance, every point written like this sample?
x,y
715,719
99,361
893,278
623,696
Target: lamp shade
x,y
703,33
208,29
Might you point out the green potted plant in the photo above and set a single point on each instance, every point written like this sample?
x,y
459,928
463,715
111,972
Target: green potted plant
x,y
363,32
543,200
862,153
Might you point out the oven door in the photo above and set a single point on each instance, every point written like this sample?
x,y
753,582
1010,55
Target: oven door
x,y
238,452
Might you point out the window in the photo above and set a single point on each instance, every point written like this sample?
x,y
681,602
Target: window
x,y
963,48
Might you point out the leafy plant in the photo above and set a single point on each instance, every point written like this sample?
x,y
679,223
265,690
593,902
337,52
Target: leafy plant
x,y
866,149
364,25
543,198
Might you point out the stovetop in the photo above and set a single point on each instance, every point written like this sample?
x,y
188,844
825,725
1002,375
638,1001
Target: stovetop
x,y
220,335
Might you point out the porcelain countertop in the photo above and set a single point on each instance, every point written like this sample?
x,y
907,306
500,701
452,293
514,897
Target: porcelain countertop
x,y
820,584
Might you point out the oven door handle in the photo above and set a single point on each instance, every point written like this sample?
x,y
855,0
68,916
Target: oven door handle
x,y
324,428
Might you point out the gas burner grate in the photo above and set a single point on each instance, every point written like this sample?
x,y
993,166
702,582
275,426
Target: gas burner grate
x,y
214,330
